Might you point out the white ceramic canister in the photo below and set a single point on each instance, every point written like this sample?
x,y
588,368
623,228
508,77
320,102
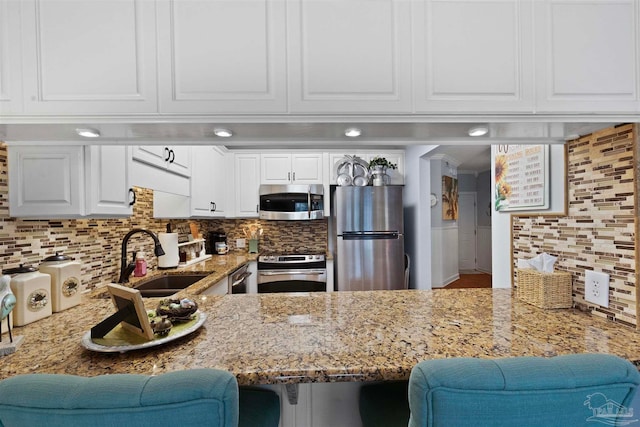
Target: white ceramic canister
x,y
33,294
65,280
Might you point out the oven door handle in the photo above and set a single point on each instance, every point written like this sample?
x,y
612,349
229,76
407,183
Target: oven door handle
x,y
291,272
241,279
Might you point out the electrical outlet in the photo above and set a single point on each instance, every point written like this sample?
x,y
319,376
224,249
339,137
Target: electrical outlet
x,y
596,288
241,243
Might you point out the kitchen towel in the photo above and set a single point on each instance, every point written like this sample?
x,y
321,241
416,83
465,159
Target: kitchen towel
x,y
169,242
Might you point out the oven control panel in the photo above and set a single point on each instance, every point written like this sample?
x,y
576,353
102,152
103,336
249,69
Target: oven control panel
x,y
287,259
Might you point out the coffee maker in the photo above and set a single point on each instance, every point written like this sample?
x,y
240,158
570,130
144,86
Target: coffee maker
x,y
214,237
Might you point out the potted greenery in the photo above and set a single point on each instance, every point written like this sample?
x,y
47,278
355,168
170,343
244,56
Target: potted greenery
x,y
378,168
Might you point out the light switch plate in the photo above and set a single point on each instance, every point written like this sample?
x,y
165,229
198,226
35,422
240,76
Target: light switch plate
x,y
241,243
596,288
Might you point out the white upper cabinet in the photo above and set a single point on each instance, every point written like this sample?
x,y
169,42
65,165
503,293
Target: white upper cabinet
x,y
58,181
247,184
222,56
587,55
10,62
473,55
107,177
209,182
349,56
83,57
297,168
172,158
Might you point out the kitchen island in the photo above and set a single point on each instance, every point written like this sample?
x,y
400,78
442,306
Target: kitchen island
x,y
327,337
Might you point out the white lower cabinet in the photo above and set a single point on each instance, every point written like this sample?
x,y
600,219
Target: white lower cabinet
x,y
58,181
220,288
247,184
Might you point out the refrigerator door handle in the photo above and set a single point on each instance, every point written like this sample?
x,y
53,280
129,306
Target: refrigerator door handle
x,y
370,235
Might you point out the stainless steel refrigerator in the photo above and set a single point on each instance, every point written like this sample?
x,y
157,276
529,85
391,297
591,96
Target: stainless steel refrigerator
x,y
368,230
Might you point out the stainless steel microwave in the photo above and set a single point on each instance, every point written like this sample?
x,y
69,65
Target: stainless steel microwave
x,y
292,202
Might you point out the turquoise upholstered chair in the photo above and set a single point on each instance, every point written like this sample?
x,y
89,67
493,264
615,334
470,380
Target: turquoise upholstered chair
x,y
517,392
563,391
198,397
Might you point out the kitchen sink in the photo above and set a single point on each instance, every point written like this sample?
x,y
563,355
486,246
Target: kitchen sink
x,y
164,286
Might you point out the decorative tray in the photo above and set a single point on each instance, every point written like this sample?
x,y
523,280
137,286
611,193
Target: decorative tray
x,y
119,340
351,170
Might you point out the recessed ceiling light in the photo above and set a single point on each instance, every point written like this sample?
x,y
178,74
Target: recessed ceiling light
x,y
353,132
478,131
88,132
222,132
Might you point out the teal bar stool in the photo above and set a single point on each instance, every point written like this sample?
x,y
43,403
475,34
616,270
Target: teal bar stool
x,y
567,391
190,398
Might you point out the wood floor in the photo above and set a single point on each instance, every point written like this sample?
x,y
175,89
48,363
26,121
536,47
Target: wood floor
x,y
474,280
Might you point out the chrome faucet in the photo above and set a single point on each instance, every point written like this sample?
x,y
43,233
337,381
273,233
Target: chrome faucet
x,y
127,269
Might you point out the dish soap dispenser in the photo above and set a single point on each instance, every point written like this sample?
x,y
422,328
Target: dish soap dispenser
x,y
141,265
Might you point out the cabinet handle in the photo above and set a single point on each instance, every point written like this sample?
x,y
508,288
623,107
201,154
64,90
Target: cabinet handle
x,y
211,208
257,208
167,154
288,176
133,200
294,176
172,155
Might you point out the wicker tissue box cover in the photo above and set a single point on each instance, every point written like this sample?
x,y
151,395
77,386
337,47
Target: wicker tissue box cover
x,y
545,290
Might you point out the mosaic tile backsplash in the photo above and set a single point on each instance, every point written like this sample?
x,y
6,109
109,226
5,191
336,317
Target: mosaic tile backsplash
x,y
598,233
96,243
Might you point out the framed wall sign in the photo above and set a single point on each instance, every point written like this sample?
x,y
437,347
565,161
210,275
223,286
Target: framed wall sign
x,y
449,198
521,177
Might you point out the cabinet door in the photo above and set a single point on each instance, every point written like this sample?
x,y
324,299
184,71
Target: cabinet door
x,y
220,288
107,180
587,55
10,62
46,182
276,169
208,182
349,56
222,56
220,181
247,178
176,159
85,57
473,55
180,160
306,168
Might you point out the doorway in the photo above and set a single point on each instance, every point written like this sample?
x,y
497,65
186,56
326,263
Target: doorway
x,y
467,243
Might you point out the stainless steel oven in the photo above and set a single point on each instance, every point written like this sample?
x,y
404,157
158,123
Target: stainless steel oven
x,y
292,273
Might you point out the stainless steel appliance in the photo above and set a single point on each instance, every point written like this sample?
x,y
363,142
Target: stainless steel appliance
x,y
368,230
292,273
238,280
292,202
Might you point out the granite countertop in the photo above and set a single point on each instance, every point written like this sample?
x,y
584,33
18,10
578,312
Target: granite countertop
x,y
327,337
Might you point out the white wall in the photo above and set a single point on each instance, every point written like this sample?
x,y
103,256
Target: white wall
x,y
417,212
501,223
